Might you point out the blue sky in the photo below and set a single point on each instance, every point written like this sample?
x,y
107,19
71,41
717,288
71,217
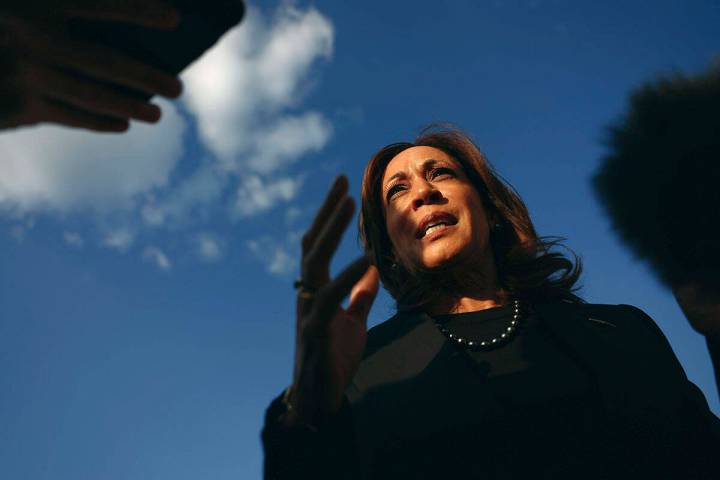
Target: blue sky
x,y
146,307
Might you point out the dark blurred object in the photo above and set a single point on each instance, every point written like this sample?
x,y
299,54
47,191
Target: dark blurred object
x,y
95,64
660,182
201,26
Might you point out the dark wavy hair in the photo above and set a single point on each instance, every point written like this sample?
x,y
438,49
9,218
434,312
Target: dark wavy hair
x,y
528,267
659,181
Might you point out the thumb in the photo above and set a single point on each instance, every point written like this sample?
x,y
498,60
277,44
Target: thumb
x,y
363,293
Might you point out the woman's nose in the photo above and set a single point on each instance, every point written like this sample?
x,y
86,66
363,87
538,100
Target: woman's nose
x,y
425,194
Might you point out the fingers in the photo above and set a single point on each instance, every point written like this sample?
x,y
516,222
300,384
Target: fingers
x,y
337,190
56,78
57,112
323,238
93,97
54,48
317,262
329,298
145,13
109,65
363,293
22,102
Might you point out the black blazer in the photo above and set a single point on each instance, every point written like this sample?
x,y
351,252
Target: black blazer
x,y
413,384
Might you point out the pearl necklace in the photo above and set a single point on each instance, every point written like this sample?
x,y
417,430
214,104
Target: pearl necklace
x,y
501,339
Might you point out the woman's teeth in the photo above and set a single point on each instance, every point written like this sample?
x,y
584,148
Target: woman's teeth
x,y
434,227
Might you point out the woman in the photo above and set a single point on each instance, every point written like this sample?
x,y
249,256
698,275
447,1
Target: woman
x,y
492,367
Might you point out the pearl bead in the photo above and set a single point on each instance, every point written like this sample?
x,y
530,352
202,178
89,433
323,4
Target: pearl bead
x,y
505,335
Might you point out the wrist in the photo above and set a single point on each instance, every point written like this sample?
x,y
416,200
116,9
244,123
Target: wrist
x,y
291,417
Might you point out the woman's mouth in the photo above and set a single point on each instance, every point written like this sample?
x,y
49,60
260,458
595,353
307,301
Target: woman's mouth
x,y
435,228
436,231
435,222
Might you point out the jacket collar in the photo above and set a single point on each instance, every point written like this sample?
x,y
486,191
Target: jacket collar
x,y
614,350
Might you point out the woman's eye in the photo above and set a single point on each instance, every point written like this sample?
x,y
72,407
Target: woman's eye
x,y
393,190
440,171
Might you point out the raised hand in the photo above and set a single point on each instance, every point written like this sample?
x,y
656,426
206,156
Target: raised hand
x,y
46,75
330,339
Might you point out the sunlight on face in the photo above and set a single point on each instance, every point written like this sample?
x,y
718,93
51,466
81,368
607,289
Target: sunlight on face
x,y
434,215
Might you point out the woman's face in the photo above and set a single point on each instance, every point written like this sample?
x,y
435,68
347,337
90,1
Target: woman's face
x,y
433,213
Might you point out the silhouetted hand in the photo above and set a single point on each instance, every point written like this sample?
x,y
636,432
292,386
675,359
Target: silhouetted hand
x,y
701,306
330,339
48,76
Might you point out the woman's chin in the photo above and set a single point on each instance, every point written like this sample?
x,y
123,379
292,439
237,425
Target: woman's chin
x,y
450,260
440,263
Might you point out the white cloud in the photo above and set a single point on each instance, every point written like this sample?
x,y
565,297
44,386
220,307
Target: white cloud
x,y
59,169
201,189
294,237
243,89
156,256
277,258
297,39
73,239
256,195
245,95
208,247
286,140
281,263
119,240
292,214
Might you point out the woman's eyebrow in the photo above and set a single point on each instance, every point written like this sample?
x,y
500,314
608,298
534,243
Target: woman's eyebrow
x,y
430,162
400,174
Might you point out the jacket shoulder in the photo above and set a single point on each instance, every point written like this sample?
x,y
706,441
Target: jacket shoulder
x,y
620,316
383,334
625,327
